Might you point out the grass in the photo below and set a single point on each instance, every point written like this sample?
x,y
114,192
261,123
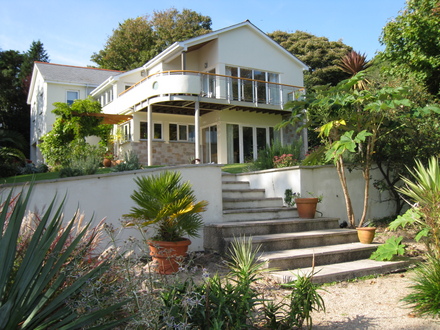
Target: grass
x,y
230,168
42,176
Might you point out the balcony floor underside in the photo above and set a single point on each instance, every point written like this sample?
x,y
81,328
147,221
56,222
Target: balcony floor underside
x,y
185,105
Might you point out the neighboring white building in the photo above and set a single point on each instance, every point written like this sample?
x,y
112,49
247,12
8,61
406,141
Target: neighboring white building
x,y
215,98
57,83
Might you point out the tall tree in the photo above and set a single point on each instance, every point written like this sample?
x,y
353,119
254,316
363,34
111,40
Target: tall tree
x,y
412,43
320,54
35,53
130,46
138,40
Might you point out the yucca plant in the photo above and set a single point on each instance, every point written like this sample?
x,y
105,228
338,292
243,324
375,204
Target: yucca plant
x,y
424,191
353,63
35,284
168,204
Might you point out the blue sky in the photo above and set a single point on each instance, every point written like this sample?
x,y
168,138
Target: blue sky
x,y
72,31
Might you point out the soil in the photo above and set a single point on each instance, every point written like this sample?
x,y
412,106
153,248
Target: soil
x,y
373,303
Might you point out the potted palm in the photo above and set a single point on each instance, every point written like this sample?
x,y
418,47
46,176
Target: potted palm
x,y
170,206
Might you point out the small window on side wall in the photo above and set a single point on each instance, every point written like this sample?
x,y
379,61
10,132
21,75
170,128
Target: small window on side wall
x,y
72,96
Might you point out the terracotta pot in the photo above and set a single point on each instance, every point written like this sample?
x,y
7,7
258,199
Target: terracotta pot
x,y
107,162
366,234
168,255
306,207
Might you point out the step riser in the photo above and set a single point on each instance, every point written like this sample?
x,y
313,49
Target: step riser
x,y
306,242
319,259
243,194
235,185
265,228
240,204
261,215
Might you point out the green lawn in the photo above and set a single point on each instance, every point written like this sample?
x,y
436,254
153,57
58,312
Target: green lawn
x,y
230,168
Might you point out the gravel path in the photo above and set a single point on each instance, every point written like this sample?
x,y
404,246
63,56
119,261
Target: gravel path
x,y
370,304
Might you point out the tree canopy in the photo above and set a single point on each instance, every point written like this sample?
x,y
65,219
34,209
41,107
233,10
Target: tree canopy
x,y
320,54
412,43
138,40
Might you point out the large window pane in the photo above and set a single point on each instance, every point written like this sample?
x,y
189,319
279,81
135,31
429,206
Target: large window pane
x,y
261,138
157,132
183,135
246,85
248,144
233,143
144,130
173,132
260,85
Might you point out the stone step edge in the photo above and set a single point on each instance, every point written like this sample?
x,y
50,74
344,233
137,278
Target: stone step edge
x,y
344,271
259,210
314,251
257,239
291,220
229,199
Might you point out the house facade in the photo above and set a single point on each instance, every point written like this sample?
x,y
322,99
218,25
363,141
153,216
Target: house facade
x,y
215,98
57,83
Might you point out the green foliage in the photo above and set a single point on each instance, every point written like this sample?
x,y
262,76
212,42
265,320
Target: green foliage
x,y
392,247
302,301
169,205
36,273
320,54
412,43
84,159
424,191
11,155
424,298
130,163
71,128
269,156
138,40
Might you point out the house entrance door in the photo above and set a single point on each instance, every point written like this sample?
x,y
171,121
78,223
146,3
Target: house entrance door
x,y
209,144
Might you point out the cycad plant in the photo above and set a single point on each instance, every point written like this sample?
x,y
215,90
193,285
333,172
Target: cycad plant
x,y
34,282
169,205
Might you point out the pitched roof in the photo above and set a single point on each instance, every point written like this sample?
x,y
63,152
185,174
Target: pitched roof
x,y
74,74
176,48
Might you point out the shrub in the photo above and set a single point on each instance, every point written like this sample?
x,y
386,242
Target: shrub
x,y
266,156
425,298
83,160
130,163
37,275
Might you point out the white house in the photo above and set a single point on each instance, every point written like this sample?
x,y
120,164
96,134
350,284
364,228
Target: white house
x,y
215,98
57,83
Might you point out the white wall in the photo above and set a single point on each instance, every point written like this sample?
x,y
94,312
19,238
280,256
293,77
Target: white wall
x,y
323,180
108,196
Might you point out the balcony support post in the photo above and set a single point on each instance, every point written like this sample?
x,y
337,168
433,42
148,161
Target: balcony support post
x,y
150,134
197,131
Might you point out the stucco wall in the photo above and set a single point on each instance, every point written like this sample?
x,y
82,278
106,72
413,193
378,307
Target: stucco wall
x,y
323,180
108,196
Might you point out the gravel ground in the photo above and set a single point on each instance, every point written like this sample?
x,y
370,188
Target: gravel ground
x,y
370,304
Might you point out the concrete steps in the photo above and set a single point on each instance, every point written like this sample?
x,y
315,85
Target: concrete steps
x,y
288,243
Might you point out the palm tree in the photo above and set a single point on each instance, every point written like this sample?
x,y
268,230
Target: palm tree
x,y
353,63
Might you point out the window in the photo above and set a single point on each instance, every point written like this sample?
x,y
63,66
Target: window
x,y
126,132
72,96
182,132
157,131
256,87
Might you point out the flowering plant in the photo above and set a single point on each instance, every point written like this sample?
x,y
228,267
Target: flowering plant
x,y
285,160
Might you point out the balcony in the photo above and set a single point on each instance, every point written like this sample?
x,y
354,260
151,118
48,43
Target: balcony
x,y
212,89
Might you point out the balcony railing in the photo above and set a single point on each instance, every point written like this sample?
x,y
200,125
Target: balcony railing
x,y
208,85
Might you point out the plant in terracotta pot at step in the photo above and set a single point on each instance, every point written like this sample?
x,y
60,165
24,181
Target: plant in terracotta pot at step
x,y
306,206
366,233
170,206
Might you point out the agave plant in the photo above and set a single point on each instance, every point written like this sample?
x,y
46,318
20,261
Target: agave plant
x,y
168,204
35,284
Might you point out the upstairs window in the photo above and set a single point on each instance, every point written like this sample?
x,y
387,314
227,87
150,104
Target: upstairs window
x,y
72,96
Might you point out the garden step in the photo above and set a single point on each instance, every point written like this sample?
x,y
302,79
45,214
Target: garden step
x,y
215,233
298,240
243,193
343,271
320,255
259,214
246,203
235,185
